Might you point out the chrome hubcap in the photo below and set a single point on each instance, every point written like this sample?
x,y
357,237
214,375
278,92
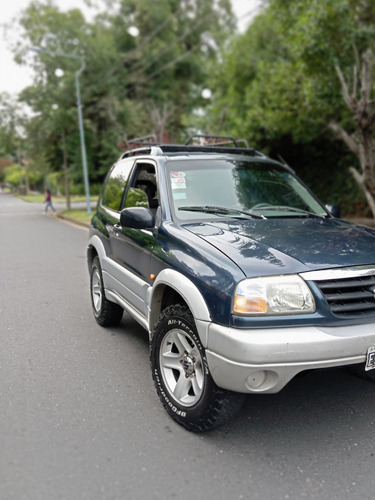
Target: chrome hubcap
x,y
188,365
182,367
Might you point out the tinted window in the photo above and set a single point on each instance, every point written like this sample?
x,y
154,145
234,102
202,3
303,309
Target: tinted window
x,y
115,185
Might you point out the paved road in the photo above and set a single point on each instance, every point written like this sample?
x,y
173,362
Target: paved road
x,y
79,417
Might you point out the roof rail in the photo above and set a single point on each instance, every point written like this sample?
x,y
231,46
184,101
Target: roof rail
x,y
153,149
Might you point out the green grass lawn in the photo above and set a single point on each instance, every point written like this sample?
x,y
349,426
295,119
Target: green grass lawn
x,y
32,198
39,198
77,215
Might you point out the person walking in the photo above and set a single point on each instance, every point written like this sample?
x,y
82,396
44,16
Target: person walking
x,y
48,201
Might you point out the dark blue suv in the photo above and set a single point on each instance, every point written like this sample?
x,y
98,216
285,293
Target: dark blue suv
x,y
242,278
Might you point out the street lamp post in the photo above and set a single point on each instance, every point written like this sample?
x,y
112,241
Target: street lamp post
x,y
80,119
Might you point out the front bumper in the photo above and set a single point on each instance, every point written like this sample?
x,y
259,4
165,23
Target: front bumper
x,y
265,360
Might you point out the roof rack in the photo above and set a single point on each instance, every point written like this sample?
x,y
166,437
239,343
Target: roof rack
x,y
146,140
215,144
169,149
217,140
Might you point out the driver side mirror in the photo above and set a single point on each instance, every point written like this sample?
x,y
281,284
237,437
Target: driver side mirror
x,y
334,210
137,218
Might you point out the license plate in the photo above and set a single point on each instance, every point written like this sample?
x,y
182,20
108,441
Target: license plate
x,y
370,360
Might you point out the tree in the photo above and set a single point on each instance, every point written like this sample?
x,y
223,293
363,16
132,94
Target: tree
x,y
12,120
277,86
131,86
361,141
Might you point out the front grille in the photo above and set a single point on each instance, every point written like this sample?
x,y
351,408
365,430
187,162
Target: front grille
x,y
350,297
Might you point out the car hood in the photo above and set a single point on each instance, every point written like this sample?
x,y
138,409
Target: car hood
x,y
289,245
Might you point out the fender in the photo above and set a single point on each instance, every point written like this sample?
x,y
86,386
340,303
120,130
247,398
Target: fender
x,y
166,278
188,291
106,264
95,242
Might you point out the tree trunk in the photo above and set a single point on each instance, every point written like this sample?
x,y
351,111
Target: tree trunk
x,y
361,142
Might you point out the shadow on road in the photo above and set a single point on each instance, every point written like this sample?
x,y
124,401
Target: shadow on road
x,y
132,330
314,408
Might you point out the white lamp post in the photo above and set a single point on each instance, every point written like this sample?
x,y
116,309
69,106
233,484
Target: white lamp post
x,y
80,119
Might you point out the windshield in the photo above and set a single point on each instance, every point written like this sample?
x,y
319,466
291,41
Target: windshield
x,y
210,188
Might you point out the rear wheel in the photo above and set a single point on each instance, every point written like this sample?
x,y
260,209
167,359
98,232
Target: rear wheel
x,y
181,374
106,313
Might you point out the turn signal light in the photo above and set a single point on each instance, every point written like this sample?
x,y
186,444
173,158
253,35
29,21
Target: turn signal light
x,y
244,305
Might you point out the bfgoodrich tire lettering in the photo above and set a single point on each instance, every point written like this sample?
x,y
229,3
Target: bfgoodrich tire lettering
x,y
106,313
181,374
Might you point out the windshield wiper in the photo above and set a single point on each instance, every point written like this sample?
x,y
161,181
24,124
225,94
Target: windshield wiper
x,y
221,211
283,208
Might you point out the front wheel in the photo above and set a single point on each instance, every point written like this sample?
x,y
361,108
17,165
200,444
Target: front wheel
x,y
182,377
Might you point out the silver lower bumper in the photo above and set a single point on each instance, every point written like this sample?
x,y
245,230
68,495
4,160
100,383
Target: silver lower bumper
x,y
265,360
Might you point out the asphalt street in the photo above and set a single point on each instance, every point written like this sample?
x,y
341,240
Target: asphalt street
x,y
80,419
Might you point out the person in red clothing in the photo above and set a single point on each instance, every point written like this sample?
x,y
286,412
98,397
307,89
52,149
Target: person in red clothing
x,y
48,201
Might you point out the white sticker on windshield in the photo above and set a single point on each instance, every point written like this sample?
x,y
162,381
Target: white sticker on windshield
x,y
178,180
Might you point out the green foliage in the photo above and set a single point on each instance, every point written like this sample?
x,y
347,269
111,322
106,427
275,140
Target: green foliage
x,y
323,165
131,86
53,182
274,85
277,86
15,175
12,175
323,33
12,121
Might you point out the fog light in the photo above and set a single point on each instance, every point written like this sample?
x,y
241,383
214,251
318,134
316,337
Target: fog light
x,y
256,379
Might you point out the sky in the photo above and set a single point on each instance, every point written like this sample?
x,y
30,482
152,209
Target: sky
x,y
13,78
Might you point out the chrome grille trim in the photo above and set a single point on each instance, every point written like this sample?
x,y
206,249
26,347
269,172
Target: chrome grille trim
x,y
349,292
340,273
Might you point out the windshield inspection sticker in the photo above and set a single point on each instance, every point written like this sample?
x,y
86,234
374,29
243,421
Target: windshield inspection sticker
x,y
178,180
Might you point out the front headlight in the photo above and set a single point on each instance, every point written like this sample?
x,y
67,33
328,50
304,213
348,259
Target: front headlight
x,y
273,295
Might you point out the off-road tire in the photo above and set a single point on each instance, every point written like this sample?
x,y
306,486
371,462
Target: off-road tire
x,y
106,313
177,355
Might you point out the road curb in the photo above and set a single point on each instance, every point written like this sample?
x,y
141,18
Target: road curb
x,y
73,221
